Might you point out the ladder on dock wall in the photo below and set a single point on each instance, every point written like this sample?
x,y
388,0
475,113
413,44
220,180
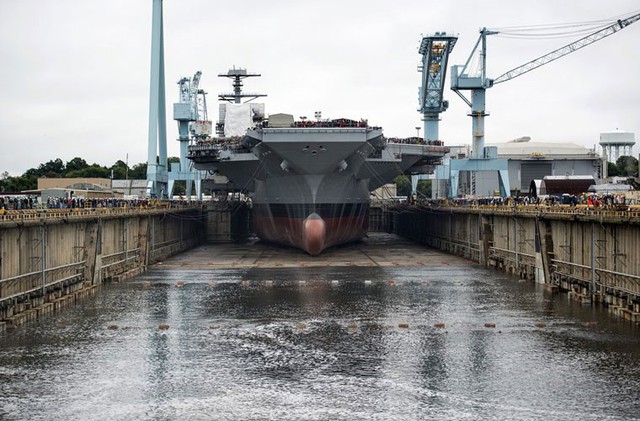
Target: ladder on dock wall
x,y
472,174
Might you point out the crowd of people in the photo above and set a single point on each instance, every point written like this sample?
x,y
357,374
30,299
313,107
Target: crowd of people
x,y
340,122
79,202
17,202
13,203
415,141
590,200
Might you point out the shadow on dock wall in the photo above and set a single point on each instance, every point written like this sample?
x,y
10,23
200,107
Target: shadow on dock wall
x,y
591,255
52,260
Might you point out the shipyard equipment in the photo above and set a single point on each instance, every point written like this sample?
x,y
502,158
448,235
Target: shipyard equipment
x,y
462,78
191,114
435,50
157,171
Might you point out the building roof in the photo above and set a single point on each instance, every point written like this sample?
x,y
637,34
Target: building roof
x,y
125,184
542,150
609,187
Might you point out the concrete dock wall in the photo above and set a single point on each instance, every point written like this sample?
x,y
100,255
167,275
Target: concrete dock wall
x,y
380,219
594,255
227,221
50,258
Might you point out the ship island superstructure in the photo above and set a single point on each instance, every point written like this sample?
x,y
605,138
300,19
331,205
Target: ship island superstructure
x,y
310,181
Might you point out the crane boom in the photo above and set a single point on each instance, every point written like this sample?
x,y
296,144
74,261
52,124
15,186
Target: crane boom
x,y
567,49
435,50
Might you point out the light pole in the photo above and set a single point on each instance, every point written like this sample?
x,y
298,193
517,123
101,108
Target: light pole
x,y
418,131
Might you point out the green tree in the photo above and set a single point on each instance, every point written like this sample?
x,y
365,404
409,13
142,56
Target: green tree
x,y
138,171
92,171
424,189
76,164
403,185
10,184
627,166
612,169
180,187
52,169
120,170
31,172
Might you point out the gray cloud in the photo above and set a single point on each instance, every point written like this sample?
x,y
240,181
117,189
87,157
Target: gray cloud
x,y
74,79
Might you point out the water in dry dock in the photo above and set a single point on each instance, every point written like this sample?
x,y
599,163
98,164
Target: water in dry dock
x,y
262,333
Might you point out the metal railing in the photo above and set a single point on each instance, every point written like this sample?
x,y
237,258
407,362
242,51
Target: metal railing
x,y
28,283
26,215
621,282
120,257
632,212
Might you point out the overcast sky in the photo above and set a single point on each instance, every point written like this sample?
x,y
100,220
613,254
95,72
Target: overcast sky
x,y
74,74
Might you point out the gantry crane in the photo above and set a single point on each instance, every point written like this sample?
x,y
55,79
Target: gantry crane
x,y
435,50
186,111
461,79
191,114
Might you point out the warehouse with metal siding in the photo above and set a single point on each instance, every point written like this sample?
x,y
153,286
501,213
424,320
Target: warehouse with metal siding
x,y
530,161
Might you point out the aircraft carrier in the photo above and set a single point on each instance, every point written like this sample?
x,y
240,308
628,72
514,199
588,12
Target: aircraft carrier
x,y
310,181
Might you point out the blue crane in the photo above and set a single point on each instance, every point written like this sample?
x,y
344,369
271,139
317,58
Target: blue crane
x,y
483,159
435,50
191,114
461,79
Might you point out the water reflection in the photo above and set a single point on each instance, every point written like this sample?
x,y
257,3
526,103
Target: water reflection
x,y
322,343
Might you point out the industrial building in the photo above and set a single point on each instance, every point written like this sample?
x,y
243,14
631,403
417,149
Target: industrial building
x,y
527,161
67,188
130,188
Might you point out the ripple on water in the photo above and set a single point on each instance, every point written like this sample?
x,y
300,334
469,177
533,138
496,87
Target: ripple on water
x,y
260,344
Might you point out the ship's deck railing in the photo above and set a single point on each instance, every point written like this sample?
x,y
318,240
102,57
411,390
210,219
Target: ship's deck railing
x,y
216,144
340,122
398,149
415,141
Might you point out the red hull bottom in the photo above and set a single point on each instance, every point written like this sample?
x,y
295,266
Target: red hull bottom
x,y
312,234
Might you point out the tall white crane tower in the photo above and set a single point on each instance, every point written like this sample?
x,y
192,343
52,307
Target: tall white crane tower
x,y
157,171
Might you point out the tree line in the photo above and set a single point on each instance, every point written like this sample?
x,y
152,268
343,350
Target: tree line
x,y
75,168
625,166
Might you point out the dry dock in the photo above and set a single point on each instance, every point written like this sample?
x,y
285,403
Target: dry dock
x,y
51,257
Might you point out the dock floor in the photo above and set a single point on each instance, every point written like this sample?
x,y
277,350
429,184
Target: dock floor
x,y
378,249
